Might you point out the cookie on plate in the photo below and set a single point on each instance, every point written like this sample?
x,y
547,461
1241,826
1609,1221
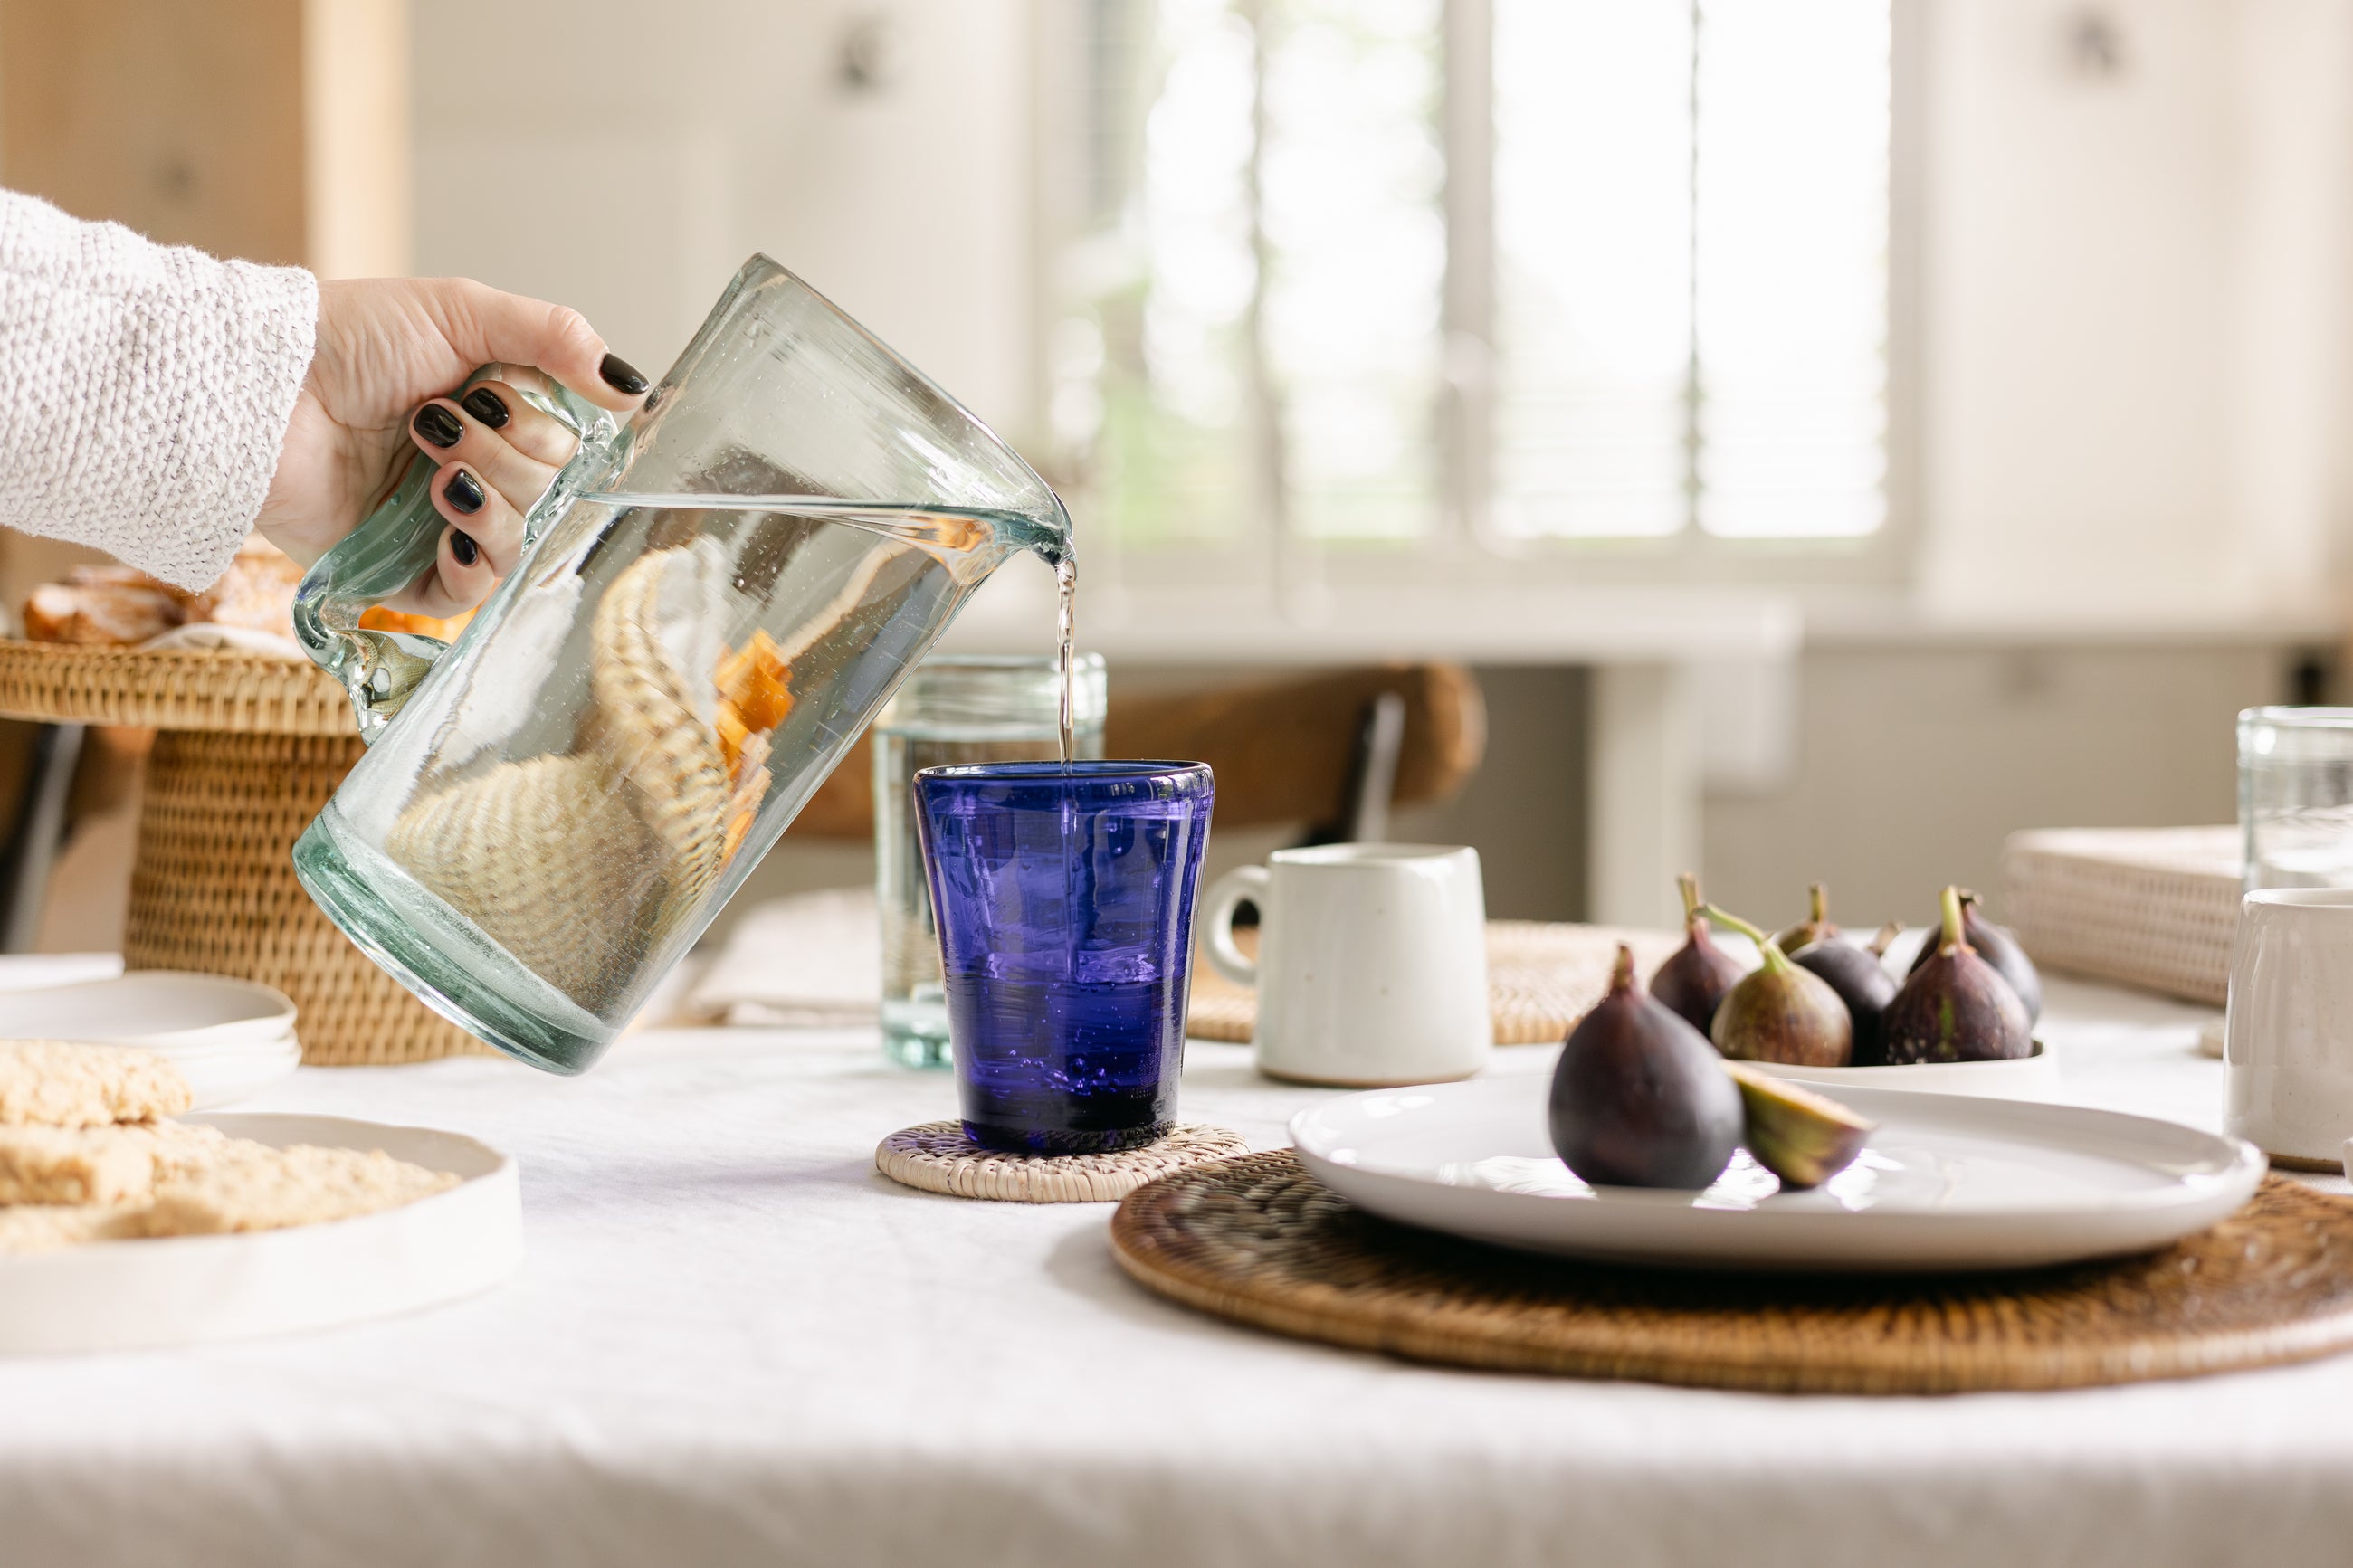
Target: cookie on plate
x,y
250,1186
58,1083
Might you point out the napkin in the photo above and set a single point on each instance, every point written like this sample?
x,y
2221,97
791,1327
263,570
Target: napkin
x,y
810,961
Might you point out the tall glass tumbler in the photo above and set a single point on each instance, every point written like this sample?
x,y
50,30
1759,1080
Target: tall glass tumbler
x,y
2295,796
954,709
1065,899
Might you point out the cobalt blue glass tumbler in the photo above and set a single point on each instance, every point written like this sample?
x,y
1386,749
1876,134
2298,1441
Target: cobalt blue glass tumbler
x,y
1065,899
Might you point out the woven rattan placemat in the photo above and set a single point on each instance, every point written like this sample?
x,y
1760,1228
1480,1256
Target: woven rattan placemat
x,y
1258,1240
938,1158
1542,977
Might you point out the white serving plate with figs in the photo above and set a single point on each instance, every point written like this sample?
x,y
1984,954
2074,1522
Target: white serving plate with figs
x,y
1945,1182
195,1289
2035,1077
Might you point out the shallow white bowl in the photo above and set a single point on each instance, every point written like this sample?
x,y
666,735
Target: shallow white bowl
x,y
1946,1181
155,1010
218,1078
2023,1078
120,1295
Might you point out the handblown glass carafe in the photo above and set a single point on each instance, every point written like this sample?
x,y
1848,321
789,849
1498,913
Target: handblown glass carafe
x,y
714,599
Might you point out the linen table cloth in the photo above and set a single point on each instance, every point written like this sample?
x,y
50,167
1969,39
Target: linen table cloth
x,y
734,1342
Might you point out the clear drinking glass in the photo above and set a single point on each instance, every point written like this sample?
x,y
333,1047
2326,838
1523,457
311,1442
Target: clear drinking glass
x,y
954,709
1065,906
2295,796
717,599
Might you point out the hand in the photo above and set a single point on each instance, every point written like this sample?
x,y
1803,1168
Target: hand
x,y
384,346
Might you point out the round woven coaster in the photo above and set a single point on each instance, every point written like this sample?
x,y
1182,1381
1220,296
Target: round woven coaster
x,y
1542,977
1258,1240
938,1158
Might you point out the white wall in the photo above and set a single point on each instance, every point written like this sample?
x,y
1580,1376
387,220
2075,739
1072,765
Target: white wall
x,y
2132,326
624,158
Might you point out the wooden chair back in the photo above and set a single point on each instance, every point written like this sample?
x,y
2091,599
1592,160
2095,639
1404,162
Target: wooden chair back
x,y
1282,749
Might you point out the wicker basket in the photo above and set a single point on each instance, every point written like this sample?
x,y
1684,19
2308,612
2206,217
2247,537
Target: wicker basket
x,y
2151,906
248,750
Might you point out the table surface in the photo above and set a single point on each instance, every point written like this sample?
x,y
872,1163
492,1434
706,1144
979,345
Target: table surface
x,y
734,1342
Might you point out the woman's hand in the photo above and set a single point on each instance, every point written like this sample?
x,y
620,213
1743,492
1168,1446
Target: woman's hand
x,y
387,345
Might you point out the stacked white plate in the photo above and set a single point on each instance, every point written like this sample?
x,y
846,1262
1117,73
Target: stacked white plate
x,y
229,1037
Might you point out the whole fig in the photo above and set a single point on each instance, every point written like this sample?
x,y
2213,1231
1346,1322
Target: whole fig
x,y
1956,1007
1861,982
1998,946
1640,1099
1695,981
1781,1012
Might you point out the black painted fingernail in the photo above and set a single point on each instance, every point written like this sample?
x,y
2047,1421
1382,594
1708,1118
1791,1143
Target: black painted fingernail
x,y
438,425
461,544
463,491
484,404
622,377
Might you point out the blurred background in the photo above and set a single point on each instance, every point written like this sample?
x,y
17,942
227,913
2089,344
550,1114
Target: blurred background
x,y
1834,433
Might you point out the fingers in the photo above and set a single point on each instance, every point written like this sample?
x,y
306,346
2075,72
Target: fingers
x,y
481,545
513,447
484,324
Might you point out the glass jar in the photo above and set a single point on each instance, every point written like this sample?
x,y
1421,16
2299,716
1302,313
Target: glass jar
x,y
954,709
2295,796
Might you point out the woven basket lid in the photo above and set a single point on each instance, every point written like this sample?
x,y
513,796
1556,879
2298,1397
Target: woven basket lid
x,y
174,688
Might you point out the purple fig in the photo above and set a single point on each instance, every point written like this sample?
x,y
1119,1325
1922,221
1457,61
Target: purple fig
x,y
1815,927
1781,1012
1956,1007
1640,1099
1861,982
1998,947
1695,980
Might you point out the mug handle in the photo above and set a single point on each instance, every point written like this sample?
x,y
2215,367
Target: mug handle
x,y
393,547
1242,882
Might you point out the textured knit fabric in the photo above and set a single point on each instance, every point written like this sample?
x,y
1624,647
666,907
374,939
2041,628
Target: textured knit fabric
x,y
147,388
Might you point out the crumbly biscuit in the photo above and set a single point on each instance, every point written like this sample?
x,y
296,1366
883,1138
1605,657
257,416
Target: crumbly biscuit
x,y
248,1186
180,1148
50,1227
100,1164
54,1083
73,1165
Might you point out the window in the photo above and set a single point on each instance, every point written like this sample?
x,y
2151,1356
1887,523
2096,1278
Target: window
x,y
1521,275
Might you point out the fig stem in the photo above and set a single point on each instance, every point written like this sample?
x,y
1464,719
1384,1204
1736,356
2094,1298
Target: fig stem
x,y
1621,972
1818,897
1689,884
1950,937
1886,938
1766,948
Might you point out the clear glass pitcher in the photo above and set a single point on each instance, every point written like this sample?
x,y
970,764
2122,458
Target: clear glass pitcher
x,y
714,599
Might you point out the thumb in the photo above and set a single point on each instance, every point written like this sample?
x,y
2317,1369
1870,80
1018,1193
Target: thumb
x,y
481,323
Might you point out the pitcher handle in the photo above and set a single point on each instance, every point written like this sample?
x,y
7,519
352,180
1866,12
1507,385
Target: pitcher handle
x,y
393,546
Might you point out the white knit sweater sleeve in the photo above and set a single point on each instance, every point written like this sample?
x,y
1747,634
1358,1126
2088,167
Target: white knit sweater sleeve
x,y
147,389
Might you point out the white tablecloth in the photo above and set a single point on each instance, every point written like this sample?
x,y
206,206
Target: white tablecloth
x,y
733,1341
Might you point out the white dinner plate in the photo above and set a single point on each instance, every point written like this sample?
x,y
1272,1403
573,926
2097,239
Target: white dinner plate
x,y
120,1295
230,1037
1946,1181
155,1010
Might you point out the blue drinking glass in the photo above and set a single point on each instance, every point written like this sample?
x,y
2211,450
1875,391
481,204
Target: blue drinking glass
x,y
1064,900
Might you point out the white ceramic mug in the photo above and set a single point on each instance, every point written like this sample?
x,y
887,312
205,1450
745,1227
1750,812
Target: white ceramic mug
x,y
2288,1040
1372,961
